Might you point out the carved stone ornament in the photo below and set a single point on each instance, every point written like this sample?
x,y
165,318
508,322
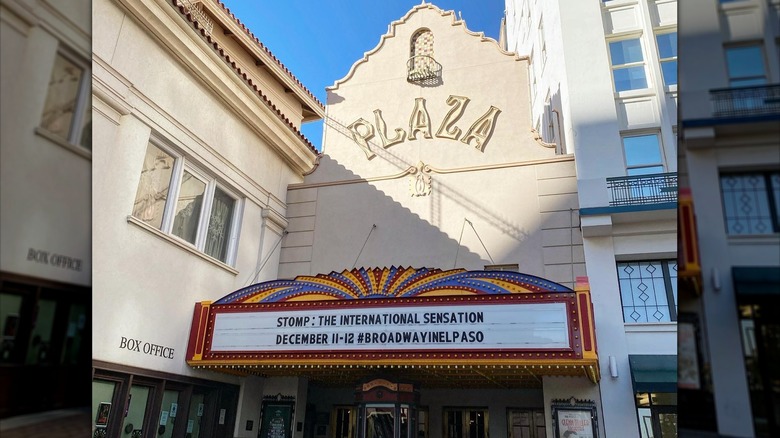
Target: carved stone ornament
x,y
420,180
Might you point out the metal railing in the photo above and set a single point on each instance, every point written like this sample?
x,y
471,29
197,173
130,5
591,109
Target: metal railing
x,y
656,188
746,101
422,68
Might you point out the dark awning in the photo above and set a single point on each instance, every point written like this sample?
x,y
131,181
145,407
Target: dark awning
x,y
756,280
653,372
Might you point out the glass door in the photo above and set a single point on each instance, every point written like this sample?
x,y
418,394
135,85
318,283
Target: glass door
x,y
380,421
343,421
465,423
526,423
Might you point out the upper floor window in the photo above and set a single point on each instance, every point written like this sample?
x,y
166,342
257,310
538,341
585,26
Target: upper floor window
x,y
745,65
643,154
648,290
667,54
542,43
177,199
751,202
66,111
628,64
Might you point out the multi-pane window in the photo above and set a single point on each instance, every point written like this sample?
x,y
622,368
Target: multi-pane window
x,y
66,111
648,290
628,64
643,154
177,199
542,43
667,54
751,202
745,65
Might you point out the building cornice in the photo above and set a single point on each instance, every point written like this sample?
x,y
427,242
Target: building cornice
x,y
182,40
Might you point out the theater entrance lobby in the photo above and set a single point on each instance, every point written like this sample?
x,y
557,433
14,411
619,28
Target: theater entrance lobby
x,y
405,353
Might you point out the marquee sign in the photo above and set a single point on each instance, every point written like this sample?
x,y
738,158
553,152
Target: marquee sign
x,y
464,325
415,317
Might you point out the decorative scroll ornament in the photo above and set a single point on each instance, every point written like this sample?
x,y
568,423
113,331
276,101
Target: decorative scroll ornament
x,y
420,180
196,9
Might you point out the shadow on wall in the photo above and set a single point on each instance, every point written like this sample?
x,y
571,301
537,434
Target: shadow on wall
x,y
347,208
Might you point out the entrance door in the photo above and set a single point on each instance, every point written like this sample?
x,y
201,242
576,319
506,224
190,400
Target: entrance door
x,y
526,423
465,423
343,421
761,346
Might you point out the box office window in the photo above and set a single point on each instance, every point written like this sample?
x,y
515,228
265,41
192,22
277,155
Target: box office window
x,y
178,199
66,111
648,290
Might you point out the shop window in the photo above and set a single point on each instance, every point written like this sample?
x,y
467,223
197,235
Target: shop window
x,y
667,54
657,414
745,65
465,423
628,65
643,154
176,198
648,290
136,411
67,113
751,202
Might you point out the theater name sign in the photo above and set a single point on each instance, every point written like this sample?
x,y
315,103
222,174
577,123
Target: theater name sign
x,y
397,316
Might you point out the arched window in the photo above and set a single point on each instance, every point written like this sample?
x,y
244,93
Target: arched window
x,y
421,63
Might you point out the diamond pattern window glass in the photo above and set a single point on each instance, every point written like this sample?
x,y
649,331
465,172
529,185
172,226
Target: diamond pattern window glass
x,y
751,202
648,290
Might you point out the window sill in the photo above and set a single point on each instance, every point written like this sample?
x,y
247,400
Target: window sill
x,y
78,150
755,239
629,94
651,327
143,225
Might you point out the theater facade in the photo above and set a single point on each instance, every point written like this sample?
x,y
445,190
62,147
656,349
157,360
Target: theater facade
x,y
422,276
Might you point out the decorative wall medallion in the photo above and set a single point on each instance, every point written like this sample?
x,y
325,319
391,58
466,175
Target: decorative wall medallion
x,y
420,180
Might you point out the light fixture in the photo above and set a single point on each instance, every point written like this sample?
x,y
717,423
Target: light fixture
x,y
613,369
715,279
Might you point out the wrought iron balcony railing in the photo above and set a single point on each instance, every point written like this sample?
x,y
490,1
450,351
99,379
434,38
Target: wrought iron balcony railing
x,y
656,188
746,101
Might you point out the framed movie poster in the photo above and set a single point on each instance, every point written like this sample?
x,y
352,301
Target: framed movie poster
x,y
276,419
103,411
574,418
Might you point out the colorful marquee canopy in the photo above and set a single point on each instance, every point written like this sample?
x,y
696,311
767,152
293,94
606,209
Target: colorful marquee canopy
x,y
441,327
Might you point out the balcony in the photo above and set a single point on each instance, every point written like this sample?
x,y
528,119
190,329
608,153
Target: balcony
x,y
761,100
642,190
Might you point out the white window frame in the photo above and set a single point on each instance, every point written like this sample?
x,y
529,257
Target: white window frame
x,y
661,60
181,164
626,134
642,63
542,43
82,100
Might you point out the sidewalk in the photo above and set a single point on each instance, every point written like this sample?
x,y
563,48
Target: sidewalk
x,y
66,423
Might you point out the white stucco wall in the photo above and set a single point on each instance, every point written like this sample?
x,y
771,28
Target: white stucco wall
x,y
45,186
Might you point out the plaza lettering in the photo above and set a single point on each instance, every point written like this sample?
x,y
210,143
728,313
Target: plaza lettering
x,y
420,124
146,348
53,259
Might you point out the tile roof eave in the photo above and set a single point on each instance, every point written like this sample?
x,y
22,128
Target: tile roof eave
x,y
225,57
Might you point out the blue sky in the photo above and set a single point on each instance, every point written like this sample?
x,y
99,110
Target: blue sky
x,y
320,40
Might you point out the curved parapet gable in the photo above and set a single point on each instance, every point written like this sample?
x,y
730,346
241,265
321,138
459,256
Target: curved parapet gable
x,y
391,32
393,282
